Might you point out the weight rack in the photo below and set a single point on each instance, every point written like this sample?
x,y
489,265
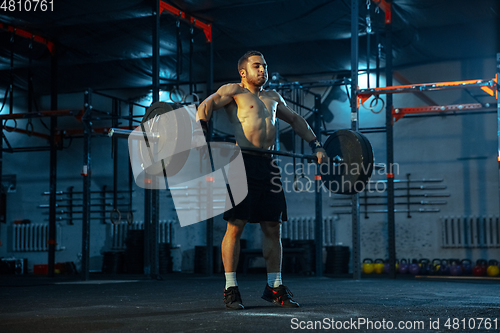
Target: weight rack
x,y
393,114
68,201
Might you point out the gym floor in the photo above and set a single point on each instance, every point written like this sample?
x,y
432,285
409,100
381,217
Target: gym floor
x,y
193,303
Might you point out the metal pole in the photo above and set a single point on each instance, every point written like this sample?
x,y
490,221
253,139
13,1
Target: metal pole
x,y
130,171
11,87
318,229
147,227
191,55
210,221
4,209
498,108
11,107
53,167
498,92
154,203
114,148
87,172
156,51
155,196
356,247
155,217
390,153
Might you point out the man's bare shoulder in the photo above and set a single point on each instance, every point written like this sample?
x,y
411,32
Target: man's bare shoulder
x,y
230,89
273,94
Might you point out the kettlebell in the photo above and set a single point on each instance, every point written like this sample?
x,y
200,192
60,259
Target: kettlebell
x,y
378,266
368,266
480,268
403,267
414,268
444,269
387,266
466,267
436,265
493,269
425,267
455,268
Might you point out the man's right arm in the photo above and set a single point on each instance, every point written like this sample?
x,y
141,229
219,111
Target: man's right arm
x,y
217,100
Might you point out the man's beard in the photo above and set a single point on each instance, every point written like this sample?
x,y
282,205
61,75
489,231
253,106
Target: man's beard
x,y
258,81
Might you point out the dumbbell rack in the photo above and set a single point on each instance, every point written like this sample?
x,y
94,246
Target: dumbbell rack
x,y
407,197
69,205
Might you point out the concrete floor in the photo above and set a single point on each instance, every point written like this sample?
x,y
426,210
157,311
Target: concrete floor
x,y
190,303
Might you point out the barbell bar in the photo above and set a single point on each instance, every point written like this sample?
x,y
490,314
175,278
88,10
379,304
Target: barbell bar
x,y
170,133
155,137
347,150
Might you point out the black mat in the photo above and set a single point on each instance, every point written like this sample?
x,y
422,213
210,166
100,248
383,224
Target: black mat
x,y
189,303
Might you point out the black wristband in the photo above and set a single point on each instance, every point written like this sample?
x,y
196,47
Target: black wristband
x,y
315,144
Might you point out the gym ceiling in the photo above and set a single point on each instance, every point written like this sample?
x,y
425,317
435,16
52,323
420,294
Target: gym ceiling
x,y
107,44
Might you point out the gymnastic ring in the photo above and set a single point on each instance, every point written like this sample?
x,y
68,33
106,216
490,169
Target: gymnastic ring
x,y
29,128
297,180
130,217
376,99
115,216
180,93
11,128
195,96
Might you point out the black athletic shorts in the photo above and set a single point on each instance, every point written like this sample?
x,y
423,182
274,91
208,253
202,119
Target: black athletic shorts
x,y
265,200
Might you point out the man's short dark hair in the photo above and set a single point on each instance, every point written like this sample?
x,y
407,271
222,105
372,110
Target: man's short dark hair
x,y
242,63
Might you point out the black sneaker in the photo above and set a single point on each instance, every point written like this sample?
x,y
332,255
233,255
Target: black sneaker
x,y
232,299
281,296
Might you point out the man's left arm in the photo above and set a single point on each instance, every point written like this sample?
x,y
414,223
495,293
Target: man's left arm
x,y
301,127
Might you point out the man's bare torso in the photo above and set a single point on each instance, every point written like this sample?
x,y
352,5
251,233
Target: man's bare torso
x,y
253,117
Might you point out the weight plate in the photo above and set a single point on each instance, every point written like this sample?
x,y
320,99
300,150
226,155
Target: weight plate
x,y
352,175
368,161
156,109
175,133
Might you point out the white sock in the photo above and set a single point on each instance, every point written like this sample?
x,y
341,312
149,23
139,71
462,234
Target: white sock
x,y
274,280
231,279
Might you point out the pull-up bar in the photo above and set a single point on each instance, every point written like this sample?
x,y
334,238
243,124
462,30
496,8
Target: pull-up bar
x,y
207,28
386,7
23,33
487,86
397,113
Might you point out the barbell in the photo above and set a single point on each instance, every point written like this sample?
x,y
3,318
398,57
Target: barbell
x,y
350,153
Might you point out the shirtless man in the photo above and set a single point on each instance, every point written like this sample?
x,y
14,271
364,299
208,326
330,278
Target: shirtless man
x,y
252,112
